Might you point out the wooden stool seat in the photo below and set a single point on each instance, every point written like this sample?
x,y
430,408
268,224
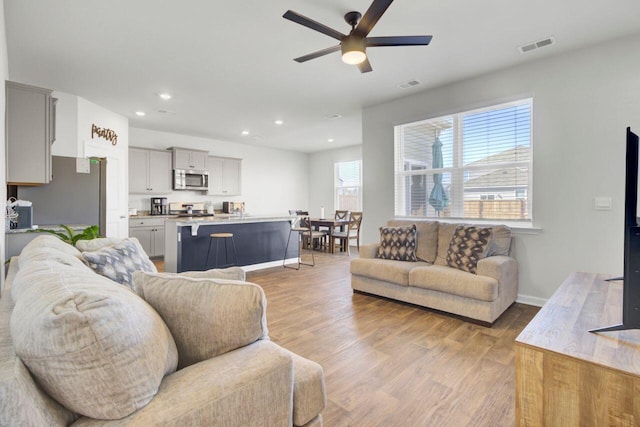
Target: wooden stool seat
x,y
220,235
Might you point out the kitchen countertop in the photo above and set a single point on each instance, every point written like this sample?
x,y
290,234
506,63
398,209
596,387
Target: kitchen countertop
x,y
145,216
227,219
56,227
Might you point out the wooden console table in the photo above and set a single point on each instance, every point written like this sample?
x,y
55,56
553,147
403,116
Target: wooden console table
x,y
567,376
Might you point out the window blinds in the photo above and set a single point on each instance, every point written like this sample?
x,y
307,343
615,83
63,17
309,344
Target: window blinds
x,y
482,165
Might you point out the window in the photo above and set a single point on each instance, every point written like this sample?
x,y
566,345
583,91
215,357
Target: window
x,y
348,178
470,165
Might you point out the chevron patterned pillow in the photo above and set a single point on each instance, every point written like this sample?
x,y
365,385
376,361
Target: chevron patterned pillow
x,y
398,243
468,245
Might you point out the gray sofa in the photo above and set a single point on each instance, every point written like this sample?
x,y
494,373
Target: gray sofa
x,y
78,349
430,282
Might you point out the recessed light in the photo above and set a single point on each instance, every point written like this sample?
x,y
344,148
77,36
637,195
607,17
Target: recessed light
x,y
140,113
333,116
330,140
245,132
278,122
165,96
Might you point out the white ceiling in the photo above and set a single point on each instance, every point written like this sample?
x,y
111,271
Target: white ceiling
x,y
229,65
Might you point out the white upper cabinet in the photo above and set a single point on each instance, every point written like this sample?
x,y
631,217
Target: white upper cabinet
x,y
30,131
225,176
190,159
149,171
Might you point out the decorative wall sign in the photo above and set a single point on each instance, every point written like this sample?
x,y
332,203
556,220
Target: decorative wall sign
x,y
105,133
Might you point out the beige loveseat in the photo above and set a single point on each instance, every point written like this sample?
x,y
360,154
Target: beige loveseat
x,y
430,282
78,349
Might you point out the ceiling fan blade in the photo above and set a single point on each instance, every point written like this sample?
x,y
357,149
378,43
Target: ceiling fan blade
x,y
310,23
318,54
365,66
398,41
371,17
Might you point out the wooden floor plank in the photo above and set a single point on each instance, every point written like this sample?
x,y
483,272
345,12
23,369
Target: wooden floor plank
x,y
392,364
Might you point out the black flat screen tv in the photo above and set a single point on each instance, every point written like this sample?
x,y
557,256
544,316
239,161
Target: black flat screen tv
x,y
631,278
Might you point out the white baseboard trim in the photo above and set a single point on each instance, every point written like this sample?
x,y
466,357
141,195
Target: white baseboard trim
x,y
529,300
270,264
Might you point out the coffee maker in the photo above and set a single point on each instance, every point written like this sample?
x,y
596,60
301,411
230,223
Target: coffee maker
x,y
159,206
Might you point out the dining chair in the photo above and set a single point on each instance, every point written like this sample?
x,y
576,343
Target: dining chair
x,y
352,232
302,226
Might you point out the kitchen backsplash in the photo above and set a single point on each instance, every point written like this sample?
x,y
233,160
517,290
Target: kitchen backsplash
x,y
143,202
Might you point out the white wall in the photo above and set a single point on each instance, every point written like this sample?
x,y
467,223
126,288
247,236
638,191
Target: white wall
x,y
67,143
321,177
4,75
273,181
582,103
117,155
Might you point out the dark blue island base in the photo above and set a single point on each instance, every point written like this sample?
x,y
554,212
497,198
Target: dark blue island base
x,y
256,242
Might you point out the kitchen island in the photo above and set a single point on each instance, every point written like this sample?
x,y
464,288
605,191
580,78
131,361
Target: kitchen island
x,y
260,241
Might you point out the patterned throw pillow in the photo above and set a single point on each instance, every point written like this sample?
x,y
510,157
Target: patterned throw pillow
x,y
468,245
118,262
398,243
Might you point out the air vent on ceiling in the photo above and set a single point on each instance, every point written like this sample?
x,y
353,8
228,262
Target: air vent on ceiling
x,y
537,45
408,84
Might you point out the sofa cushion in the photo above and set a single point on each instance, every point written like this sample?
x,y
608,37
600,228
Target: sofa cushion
x,y
95,347
455,282
468,245
50,241
207,317
445,233
398,243
386,270
309,398
23,403
119,261
96,244
426,239
500,241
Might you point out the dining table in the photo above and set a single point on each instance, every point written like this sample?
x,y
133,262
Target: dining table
x,y
331,224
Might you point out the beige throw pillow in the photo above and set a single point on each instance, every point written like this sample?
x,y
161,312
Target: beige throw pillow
x,y
98,349
207,317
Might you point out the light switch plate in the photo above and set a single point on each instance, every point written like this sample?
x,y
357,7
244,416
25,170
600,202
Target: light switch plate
x,y
602,203
83,165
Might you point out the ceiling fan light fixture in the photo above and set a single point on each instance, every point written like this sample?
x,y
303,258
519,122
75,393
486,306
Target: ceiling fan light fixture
x,y
353,51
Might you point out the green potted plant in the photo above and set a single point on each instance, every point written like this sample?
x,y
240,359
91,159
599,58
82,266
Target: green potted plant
x,y
69,236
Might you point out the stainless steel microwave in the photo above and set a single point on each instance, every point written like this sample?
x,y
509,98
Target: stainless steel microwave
x,y
190,180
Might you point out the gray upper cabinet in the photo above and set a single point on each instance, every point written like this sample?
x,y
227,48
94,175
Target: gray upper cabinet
x,y
225,176
190,159
30,131
149,171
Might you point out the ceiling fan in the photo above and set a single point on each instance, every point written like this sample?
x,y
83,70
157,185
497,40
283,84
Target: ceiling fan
x,y
354,45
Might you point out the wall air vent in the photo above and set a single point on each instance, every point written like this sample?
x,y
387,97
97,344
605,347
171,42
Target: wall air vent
x,y
408,84
537,45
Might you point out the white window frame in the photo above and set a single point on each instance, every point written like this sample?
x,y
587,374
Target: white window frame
x,y
337,188
458,170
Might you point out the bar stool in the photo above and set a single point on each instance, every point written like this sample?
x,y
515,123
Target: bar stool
x,y
217,237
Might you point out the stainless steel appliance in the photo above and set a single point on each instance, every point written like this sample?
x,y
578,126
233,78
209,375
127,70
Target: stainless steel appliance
x,y
188,209
233,207
24,218
190,180
159,206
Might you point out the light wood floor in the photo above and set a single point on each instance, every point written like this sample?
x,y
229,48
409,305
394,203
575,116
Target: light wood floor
x,y
391,364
